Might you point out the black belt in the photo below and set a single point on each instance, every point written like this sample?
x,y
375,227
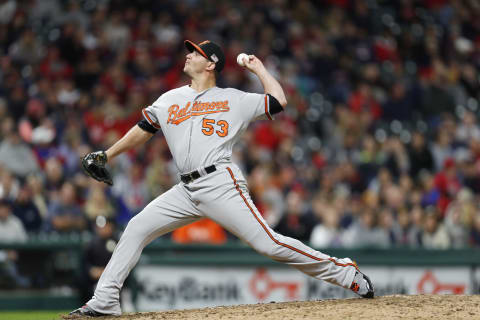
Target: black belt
x,y
189,177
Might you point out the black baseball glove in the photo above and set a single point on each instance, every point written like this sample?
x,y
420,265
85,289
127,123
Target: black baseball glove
x,y
94,165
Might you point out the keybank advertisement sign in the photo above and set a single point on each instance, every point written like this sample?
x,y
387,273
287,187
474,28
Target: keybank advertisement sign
x,y
163,288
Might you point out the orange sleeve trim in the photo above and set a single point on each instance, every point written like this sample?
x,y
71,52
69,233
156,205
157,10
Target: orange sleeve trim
x,y
145,115
275,240
266,108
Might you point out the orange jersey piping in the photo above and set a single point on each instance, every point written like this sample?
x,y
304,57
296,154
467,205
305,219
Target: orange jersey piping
x,y
150,120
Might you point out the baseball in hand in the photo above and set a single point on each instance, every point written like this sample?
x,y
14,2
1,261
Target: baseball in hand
x,y
240,59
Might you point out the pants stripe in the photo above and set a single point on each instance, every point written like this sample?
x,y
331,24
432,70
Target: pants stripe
x,y
275,240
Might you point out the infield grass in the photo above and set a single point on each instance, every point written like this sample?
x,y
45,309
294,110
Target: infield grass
x,y
32,315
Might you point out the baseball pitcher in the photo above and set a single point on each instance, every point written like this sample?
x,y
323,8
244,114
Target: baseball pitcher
x,y
201,123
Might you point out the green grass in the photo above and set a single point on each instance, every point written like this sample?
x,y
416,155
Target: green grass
x,y
32,315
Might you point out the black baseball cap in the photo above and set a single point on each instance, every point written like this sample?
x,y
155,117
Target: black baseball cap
x,y
211,51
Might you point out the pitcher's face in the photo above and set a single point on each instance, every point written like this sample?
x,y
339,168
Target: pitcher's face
x,y
195,63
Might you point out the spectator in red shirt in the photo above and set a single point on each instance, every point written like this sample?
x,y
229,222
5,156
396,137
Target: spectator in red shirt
x,y
362,101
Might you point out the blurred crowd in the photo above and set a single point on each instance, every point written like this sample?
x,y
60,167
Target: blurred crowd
x,y
379,144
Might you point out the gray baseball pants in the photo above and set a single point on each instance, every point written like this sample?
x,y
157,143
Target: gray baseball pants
x,y
223,197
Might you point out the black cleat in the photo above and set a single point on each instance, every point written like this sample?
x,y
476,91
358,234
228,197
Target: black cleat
x,y
362,285
86,311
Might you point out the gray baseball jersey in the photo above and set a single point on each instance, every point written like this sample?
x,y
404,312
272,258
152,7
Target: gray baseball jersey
x,y
201,129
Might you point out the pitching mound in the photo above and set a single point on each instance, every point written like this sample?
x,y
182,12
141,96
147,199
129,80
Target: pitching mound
x,y
387,307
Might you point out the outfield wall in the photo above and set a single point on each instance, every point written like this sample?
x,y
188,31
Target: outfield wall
x,y
172,276
234,274
184,287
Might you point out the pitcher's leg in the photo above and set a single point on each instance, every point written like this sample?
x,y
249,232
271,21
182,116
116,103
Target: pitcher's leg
x,y
166,213
243,219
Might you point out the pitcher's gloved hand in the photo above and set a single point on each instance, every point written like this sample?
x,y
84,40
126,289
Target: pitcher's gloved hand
x,y
94,165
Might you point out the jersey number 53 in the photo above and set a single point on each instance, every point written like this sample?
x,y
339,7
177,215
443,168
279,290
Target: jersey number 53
x,y
209,127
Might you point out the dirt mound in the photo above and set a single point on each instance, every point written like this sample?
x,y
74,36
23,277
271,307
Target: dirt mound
x,y
386,307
